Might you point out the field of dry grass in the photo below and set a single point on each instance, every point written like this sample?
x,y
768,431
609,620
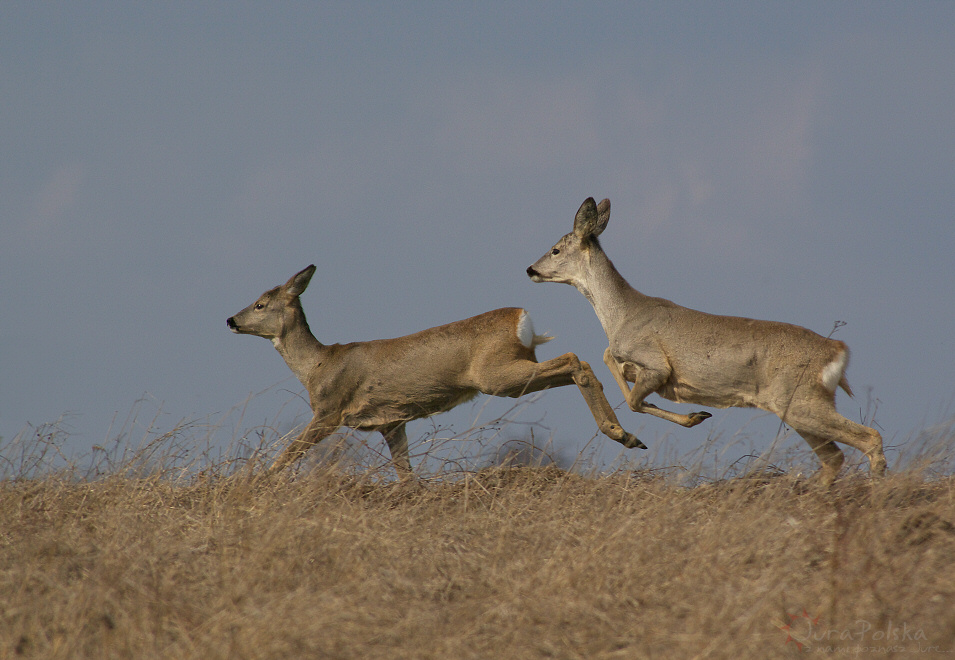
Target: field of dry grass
x,y
503,562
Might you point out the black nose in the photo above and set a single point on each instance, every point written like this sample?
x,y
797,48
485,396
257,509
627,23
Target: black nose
x,y
531,272
230,322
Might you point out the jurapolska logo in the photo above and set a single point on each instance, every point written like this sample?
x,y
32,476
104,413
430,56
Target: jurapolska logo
x,y
807,632
798,634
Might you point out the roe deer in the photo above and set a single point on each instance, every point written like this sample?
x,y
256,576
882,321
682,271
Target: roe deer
x,y
383,384
689,356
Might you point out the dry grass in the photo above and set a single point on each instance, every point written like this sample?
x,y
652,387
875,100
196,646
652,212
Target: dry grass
x,y
515,562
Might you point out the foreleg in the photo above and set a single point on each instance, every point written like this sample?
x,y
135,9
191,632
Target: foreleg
x,y
397,440
317,430
650,383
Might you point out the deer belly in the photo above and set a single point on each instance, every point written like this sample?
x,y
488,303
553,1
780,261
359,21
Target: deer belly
x,y
375,413
718,392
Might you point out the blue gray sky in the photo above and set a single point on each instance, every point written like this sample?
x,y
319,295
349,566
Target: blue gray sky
x,y
164,163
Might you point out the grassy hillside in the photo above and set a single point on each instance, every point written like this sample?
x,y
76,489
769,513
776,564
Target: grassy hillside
x,y
138,557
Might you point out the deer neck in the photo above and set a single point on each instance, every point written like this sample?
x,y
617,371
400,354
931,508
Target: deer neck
x,y
607,290
299,348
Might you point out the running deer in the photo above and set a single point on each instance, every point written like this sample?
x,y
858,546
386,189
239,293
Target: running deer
x,y
383,384
721,361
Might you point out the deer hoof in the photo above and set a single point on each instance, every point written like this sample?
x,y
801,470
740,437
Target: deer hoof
x,y
630,441
698,418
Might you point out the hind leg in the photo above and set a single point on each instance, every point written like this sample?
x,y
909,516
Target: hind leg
x,y
824,423
514,378
828,454
860,437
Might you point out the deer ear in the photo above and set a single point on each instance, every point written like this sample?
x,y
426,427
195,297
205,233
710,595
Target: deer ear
x,y
297,283
591,220
603,216
586,219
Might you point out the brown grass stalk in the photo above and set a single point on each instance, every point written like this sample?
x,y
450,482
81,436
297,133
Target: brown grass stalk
x,y
501,562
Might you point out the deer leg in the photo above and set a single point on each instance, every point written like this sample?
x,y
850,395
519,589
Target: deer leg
x,y
829,455
519,377
823,422
314,433
593,393
397,440
635,396
861,437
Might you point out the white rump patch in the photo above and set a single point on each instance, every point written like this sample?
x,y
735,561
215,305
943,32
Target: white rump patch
x,y
832,372
525,331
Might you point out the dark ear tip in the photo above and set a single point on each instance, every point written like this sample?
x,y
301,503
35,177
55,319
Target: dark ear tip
x,y
297,283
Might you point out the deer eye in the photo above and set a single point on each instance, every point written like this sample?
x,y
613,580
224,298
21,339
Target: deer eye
x,y
555,251
259,305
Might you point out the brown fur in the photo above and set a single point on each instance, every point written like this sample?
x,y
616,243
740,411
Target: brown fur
x,y
721,361
381,385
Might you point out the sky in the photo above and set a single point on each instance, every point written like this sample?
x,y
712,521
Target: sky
x,y
165,163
